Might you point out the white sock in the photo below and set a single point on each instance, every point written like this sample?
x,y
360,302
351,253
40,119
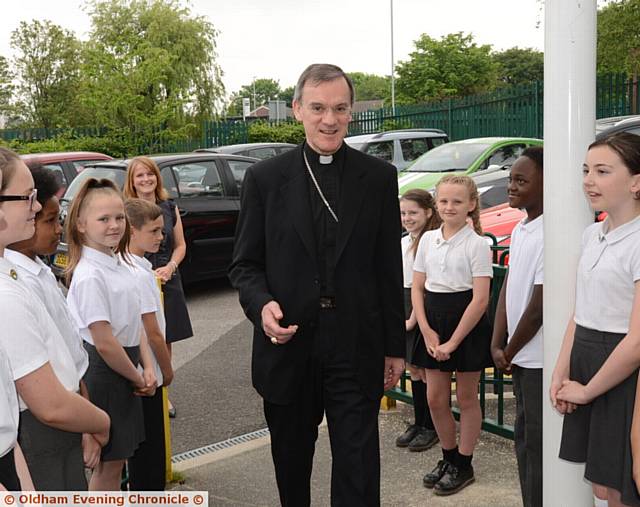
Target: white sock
x,y
599,503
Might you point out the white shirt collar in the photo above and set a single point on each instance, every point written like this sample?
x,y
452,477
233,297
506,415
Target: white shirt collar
x,y
456,238
142,262
531,225
110,261
21,260
620,232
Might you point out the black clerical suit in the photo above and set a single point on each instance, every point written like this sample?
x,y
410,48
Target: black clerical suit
x,y
289,249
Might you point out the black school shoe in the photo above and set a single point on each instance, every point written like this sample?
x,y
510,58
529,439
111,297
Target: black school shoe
x,y
453,480
424,440
433,477
405,439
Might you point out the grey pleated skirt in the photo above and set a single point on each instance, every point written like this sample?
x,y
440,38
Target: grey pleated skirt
x,y
114,394
54,456
598,434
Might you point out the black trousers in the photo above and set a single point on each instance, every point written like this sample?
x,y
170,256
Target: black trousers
x,y
330,387
527,387
147,470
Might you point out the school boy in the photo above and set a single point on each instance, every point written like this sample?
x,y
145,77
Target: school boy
x,y
519,316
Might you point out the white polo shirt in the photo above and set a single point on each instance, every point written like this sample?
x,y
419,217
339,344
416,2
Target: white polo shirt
x,y
42,282
526,262
150,298
608,268
28,335
9,411
103,289
406,244
451,265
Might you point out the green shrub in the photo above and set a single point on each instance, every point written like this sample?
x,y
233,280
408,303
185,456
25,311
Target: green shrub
x,y
263,132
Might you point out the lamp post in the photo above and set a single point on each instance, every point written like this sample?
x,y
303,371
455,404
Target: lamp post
x,y
393,81
254,94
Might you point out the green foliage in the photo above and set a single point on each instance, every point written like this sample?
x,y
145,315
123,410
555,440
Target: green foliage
x,y
519,66
259,91
453,66
619,37
149,63
371,86
287,95
283,132
48,70
6,88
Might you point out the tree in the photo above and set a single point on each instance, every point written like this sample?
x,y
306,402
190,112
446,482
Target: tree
x,y
6,88
149,63
371,86
619,37
259,91
519,65
48,69
287,95
450,67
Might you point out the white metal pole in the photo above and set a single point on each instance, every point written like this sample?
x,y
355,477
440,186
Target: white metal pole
x,y
393,72
569,124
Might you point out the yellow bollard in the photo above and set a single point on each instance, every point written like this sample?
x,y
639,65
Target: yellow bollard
x,y
387,403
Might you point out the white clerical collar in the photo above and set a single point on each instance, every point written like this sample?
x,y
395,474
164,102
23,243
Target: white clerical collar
x,y
325,159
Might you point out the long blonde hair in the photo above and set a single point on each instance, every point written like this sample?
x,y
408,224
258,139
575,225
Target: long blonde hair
x,y
426,201
130,191
75,239
471,186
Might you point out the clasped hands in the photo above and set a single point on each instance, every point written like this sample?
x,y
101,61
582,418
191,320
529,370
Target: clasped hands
x,y
439,351
567,394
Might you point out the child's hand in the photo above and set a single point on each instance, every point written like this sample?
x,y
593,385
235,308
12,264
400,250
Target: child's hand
x,y
167,377
573,392
164,273
431,341
408,325
150,383
560,405
90,450
501,361
443,352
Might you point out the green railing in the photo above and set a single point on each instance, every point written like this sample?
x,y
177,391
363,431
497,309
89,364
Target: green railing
x,y
492,377
513,111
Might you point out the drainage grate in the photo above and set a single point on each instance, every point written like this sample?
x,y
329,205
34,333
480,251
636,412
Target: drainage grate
x,y
225,444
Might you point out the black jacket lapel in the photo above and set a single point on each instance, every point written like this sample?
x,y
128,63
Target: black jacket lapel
x,y
352,192
295,193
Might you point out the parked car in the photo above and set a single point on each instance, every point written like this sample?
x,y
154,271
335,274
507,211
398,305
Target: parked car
x,y
256,150
206,189
487,160
399,147
65,165
629,124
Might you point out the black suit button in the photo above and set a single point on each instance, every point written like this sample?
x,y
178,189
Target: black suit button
x,y
316,281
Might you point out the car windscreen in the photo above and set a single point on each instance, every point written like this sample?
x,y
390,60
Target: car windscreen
x,y
448,157
111,173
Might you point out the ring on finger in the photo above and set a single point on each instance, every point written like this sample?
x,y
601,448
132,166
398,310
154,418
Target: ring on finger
x,y
274,340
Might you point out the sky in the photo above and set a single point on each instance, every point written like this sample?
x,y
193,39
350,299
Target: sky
x,y
277,39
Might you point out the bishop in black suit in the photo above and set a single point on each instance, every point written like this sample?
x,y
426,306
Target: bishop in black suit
x,y
317,264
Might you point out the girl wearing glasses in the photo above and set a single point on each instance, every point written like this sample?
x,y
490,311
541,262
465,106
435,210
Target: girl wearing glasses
x,y
45,377
105,303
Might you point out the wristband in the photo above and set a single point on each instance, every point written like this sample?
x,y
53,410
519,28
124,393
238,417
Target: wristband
x,y
174,265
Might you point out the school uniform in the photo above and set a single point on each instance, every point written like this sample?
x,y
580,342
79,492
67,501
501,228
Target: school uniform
x,y
102,289
605,286
31,339
146,467
9,414
406,244
450,266
526,262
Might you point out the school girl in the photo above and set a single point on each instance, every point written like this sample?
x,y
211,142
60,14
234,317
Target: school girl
x,y
594,380
44,373
147,466
450,293
105,304
418,214
14,474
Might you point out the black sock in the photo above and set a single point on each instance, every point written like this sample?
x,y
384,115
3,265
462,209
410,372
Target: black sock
x,y
420,409
450,455
464,461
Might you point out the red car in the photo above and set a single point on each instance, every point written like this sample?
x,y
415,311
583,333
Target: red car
x,y
65,165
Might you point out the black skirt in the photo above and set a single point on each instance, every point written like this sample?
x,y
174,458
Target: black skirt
x,y
414,334
175,311
444,311
113,393
8,473
598,434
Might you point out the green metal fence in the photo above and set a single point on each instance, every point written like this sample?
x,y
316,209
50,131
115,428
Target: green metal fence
x,y
513,111
492,381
